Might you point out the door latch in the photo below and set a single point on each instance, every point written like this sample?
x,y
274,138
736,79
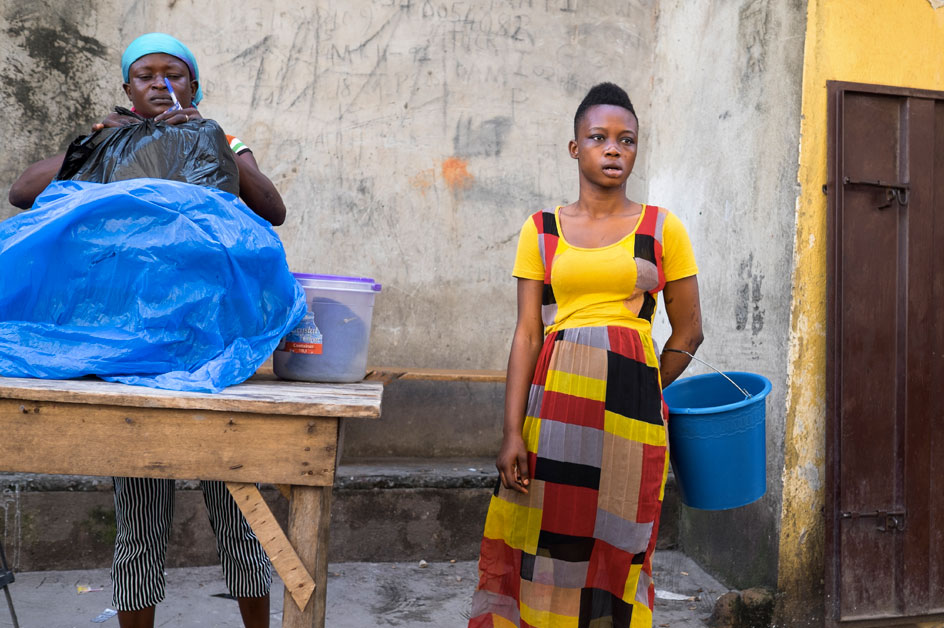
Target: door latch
x,y
887,520
893,191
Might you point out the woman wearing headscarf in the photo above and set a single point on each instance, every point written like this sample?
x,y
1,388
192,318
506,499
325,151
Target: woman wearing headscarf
x,y
144,506
146,62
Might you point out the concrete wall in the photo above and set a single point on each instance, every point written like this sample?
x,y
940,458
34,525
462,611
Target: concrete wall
x,y
57,76
877,42
409,138
68,522
722,154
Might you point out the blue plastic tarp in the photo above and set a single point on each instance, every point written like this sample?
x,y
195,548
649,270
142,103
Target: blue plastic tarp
x,y
145,281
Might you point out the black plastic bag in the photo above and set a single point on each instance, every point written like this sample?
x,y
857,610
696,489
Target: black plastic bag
x,y
194,152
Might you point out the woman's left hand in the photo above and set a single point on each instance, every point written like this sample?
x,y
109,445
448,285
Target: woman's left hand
x,y
113,119
178,117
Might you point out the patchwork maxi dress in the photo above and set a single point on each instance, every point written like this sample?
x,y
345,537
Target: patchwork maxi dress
x,y
576,551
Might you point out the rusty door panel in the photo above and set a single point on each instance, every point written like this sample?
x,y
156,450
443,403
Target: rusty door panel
x,y
915,449
885,333
870,304
936,374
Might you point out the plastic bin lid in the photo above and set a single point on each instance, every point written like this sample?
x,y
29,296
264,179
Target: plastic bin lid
x,y
359,283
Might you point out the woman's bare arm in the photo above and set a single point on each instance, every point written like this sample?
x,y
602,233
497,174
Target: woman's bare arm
x,y
683,308
258,191
34,180
526,346
255,188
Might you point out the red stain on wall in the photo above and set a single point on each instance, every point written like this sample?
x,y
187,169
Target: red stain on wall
x,y
455,171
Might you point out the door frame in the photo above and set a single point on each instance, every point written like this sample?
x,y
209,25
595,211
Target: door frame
x,y
832,556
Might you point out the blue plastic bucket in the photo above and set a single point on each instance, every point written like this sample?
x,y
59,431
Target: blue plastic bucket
x,y
717,440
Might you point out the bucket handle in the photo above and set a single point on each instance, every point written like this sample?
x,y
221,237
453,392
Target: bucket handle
x,y
746,394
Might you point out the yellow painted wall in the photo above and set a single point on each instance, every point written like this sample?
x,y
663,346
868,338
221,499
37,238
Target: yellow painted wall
x,y
891,42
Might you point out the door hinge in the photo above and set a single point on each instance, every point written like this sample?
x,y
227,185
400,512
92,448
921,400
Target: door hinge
x,y
893,191
887,520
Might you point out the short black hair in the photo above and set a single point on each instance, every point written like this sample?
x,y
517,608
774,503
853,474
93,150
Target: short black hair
x,y
603,94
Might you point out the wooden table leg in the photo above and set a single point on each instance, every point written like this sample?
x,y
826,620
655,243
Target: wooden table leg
x,y
308,520
287,564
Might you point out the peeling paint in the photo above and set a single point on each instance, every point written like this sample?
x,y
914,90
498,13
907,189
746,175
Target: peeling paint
x,y
811,474
747,303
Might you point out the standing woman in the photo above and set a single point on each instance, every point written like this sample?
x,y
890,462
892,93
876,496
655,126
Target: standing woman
x,y
571,528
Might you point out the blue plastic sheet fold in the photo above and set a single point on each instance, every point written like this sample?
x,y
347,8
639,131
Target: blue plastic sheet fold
x,y
146,281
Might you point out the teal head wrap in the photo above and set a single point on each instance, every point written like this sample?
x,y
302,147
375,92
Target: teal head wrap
x,y
159,42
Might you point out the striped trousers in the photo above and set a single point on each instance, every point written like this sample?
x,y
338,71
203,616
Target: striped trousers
x,y
144,511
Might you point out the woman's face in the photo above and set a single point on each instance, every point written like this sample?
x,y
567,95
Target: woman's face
x,y
605,146
146,88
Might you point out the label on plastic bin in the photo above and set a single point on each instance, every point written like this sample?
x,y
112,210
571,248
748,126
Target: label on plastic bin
x,y
305,338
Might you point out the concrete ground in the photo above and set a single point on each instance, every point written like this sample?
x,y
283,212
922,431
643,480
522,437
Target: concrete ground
x,y
404,595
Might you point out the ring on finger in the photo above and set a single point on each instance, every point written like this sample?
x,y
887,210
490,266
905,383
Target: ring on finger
x,y
187,116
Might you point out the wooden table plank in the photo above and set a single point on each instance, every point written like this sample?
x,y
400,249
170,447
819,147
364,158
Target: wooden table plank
x,y
388,374
75,438
262,396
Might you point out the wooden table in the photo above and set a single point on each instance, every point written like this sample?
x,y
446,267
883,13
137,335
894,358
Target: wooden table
x,y
264,430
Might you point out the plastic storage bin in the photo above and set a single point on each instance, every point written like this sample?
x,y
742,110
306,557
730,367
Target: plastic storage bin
x,y
330,344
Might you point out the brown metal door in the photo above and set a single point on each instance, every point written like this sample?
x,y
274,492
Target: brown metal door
x,y
885,356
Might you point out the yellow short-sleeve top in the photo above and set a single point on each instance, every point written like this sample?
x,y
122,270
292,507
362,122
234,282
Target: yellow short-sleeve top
x,y
602,286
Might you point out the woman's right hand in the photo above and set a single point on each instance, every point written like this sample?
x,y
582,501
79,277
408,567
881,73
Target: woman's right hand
x,y
512,464
526,345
